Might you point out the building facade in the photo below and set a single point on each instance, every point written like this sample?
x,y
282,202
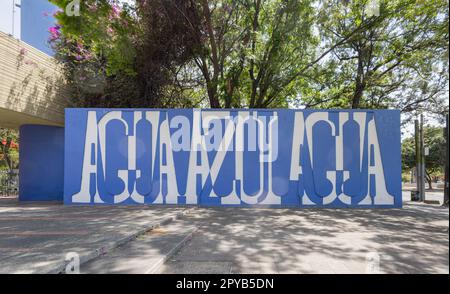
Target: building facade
x,y
28,20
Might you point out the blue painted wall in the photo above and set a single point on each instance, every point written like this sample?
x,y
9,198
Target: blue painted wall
x,y
220,157
35,24
41,175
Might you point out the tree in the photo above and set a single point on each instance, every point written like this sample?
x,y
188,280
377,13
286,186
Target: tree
x,y
257,53
250,51
118,55
434,162
399,59
97,52
163,49
9,154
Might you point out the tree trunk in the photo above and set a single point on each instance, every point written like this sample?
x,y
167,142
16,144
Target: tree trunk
x,y
253,103
357,96
213,99
360,82
212,85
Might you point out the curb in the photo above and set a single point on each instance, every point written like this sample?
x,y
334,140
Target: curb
x,y
157,265
114,244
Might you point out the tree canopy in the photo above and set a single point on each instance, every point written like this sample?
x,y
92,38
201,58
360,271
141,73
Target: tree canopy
x,y
256,53
434,162
398,59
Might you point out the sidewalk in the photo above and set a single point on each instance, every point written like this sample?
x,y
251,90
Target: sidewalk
x,y
144,255
413,239
35,237
435,196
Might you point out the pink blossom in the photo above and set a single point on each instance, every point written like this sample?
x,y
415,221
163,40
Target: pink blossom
x,y
54,32
92,7
54,29
23,51
88,56
115,11
80,47
58,11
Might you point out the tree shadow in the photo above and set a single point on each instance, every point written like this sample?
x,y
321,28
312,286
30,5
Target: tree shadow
x,y
409,240
413,239
35,87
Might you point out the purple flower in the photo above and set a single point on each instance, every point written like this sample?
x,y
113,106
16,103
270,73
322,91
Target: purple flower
x,y
23,51
54,32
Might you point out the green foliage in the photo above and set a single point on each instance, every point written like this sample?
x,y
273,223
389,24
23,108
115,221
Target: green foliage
x,y
383,60
9,156
103,31
433,139
256,53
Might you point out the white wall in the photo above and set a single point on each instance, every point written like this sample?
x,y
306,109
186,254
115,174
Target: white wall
x,y
10,17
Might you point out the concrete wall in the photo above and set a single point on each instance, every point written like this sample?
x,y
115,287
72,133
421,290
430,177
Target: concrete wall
x,y
32,88
281,158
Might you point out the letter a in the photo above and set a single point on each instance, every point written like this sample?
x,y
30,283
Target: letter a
x,y
90,145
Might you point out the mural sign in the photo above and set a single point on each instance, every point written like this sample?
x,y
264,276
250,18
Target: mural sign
x,y
270,157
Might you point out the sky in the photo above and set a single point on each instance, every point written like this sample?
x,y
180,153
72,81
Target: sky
x,y
37,17
31,21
